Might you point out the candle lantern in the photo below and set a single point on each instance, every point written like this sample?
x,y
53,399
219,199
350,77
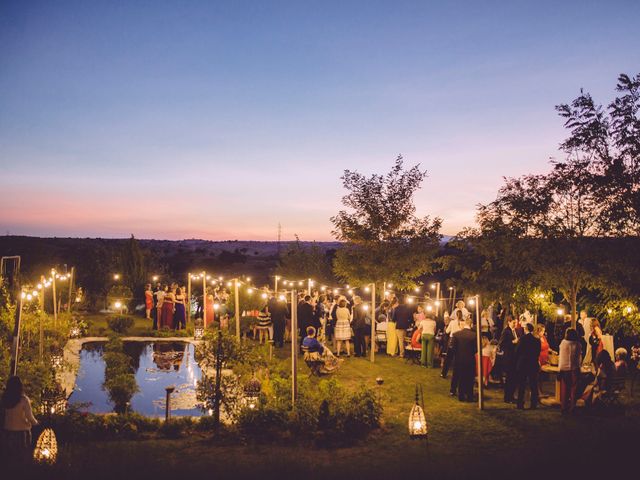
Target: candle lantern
x,y
46,449
56,359
252,393
75,332
417,419
198,332
54,401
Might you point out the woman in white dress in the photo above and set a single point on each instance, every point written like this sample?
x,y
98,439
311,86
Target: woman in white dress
x,y
343,327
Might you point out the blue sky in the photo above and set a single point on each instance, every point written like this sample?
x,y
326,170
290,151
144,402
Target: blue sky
x,y
218,120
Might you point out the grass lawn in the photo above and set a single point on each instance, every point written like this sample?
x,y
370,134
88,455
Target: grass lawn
x,y
499,442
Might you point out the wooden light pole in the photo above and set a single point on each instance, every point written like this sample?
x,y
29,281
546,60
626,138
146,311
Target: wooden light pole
x,y
373,322
236,294
204,299
479,347
71,279
294,347
276,284
55,304
188,296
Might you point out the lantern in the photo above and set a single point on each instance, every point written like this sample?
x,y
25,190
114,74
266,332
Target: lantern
x,y
54,401
198,333
417,419
252,393
46,449
74,332
56,360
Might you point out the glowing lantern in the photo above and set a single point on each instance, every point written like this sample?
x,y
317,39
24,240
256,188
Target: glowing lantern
x,y
74,331
46,449
417,419
252,393
198,333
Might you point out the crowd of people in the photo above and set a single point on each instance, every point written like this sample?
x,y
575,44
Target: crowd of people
x,y
332,326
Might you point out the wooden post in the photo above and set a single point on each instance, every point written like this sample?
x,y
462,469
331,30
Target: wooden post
x,y
71,279
437,299
373,321
309,286
55,304
276,284
294,347
188,297
15,350
236,293
204,299
479,347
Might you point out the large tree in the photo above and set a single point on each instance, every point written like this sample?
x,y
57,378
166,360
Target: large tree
x,y
550,230
384,239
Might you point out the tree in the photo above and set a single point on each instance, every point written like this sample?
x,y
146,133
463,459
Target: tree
x,y
384,239
300,262
549,228
134,266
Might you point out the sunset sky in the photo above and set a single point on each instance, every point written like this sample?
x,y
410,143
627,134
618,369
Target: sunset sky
x,y
217,120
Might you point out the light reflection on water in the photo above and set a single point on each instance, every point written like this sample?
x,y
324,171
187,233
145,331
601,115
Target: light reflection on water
x,y
157,364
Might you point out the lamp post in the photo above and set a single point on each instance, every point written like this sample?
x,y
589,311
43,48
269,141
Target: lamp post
x,y
167,409
277,277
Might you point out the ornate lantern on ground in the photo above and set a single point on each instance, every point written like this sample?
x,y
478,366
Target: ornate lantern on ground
x,y
46,449
252,393
417,419
54,401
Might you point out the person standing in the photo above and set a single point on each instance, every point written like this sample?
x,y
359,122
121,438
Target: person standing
x,y
454,326
527,366
279,313
148,300
158,297
595,340
343,327
507,344
18,420
361,325
569,360
305,317
392,339
403,318
428,328
166,317
180,315
463,343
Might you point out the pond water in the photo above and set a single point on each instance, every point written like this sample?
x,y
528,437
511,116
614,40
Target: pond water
x,y
157,365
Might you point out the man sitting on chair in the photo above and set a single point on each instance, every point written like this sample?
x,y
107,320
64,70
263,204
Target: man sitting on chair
x,y
314,351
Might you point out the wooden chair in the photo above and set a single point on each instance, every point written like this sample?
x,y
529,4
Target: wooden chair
x,y
314,365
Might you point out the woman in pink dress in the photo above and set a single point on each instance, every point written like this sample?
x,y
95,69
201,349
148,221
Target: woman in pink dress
x,y
148,300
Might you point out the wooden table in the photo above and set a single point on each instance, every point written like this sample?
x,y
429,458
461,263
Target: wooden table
x,y
584,370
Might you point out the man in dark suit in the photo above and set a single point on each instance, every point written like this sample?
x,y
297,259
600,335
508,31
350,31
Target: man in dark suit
x,y
279,313
527,366
305,317
508,342
464,346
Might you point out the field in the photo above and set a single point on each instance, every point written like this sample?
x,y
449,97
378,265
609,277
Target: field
x,y
499,442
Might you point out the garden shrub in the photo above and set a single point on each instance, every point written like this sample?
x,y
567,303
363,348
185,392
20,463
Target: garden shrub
x,y
120,324
177,427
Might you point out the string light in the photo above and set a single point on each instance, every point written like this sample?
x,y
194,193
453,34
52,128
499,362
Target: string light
x,y
367,289
560,312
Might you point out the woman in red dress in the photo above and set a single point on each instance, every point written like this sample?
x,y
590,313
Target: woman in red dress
x,y
166,319
595,340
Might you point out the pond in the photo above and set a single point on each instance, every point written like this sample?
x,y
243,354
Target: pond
x,y
157,365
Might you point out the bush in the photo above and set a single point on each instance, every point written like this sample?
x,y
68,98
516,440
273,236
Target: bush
x,y
120,324
177,427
